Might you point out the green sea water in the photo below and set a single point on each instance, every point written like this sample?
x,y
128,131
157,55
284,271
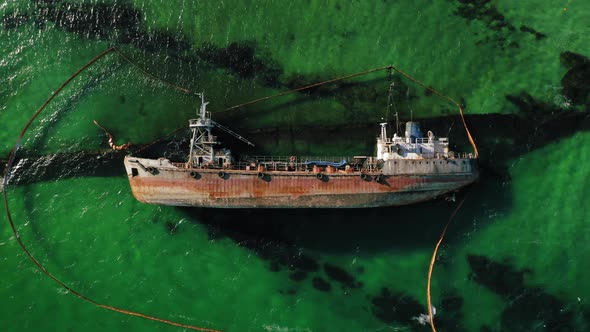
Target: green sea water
x,y
514,259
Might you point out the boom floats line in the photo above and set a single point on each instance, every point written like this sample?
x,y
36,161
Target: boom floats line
x,y
111,140
307,87
471,140
30,255
433,259
390,67
14,151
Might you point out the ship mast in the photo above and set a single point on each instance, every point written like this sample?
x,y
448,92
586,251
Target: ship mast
x,y
202,148
202,142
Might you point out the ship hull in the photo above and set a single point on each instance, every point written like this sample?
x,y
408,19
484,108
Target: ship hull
x,y
169,185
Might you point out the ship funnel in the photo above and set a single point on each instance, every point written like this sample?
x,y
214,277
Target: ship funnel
x,y
413,131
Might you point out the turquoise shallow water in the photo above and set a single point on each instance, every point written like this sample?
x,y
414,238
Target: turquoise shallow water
x,y
515,258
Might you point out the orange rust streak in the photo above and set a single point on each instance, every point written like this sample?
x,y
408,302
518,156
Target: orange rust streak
x,y
239,185
246,189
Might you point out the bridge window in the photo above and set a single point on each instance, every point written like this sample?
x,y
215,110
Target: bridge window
x,y
134,172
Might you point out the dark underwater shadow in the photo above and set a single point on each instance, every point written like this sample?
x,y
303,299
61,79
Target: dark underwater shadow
x,y
325,230
346,231
501,138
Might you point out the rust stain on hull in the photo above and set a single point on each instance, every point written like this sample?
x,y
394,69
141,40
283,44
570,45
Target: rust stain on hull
x,y
239,189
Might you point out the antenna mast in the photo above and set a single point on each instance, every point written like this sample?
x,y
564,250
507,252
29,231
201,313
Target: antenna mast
x,y
396,123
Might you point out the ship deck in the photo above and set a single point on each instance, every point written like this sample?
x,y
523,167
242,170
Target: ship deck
x,y
303,165
278,184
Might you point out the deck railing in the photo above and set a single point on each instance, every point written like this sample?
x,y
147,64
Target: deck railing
x,y
309,163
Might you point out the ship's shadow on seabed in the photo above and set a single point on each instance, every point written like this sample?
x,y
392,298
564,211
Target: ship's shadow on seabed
x,y
282,236
293,241
350,230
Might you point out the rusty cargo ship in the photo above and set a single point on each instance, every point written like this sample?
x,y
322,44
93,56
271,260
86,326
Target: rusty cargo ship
x,y
406,169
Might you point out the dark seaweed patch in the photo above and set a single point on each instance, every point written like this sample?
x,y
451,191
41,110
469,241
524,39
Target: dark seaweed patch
x,y
320,284
298,275
501,29
238,57
484,11
338,274
572,59
34,168
534,307
14,20
500,278
527,307
576,82
121,23
118,23
157,40
530,106
242,59
274,266
304,263
538,35
266,241
356,97
93,20
396,307
450,312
